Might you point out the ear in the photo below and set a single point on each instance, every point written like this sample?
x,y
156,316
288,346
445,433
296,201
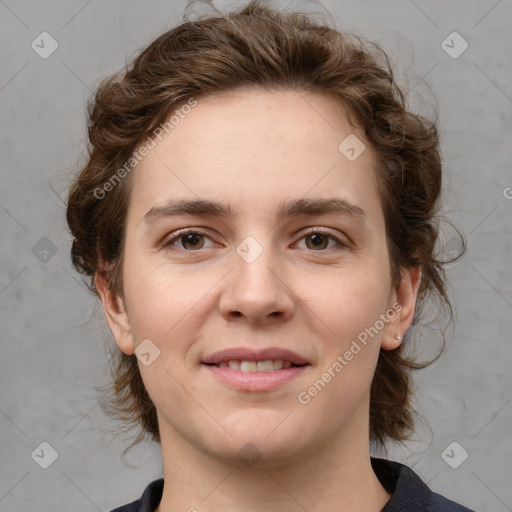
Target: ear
x,y
115,314
404,296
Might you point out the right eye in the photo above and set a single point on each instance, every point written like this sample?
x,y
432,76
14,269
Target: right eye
x,y
189,241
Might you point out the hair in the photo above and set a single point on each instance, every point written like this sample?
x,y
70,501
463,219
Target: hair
x,y
261,47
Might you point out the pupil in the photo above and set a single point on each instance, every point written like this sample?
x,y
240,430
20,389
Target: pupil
x,y
193,241
318,240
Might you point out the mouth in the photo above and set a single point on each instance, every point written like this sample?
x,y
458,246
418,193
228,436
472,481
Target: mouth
x,y
249,366
255,370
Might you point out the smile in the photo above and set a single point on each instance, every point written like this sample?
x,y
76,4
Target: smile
x,y
245,366
251,369
246,376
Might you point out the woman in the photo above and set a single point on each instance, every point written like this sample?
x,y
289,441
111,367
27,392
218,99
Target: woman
x,y
258,217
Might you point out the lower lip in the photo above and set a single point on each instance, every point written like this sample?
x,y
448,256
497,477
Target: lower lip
x,y
255,381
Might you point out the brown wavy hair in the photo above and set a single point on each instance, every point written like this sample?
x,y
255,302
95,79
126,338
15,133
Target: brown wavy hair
x,y
266,48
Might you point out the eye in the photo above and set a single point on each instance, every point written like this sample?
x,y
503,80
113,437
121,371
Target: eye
x,y
318,240
189,241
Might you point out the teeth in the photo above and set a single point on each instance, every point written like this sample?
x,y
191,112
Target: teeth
x,y
234,365
265,366
248,366
278,364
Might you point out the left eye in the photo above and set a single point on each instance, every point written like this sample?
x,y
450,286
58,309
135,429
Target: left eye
x,y
194,241
190,241
318,240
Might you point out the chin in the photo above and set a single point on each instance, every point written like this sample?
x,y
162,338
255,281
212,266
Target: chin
x,y
254,444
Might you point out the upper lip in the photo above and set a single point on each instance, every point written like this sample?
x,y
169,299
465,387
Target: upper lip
x,y
247,354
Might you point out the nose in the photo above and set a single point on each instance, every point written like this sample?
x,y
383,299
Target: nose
x,y
257,292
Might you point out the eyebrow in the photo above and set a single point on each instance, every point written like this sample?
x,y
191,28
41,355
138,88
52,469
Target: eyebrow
x,y
320,207
294,208
196,207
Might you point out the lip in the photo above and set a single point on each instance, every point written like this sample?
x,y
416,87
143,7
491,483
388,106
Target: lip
x,y
255,381
247,354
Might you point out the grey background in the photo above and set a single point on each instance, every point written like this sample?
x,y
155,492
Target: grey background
x,y
53,331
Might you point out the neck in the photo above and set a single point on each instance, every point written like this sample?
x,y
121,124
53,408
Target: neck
x,y
336,476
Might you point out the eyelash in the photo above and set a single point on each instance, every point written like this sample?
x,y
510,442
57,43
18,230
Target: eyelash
x,y
311,231
330,236
181,234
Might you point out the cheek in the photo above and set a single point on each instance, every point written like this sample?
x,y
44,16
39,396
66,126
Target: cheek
x,y
348,300
164,300
167,305
347,309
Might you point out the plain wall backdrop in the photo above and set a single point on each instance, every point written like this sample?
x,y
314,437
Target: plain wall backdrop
x,y
53,331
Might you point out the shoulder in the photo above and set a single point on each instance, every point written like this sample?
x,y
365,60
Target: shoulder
x,y
408,491
441,504
149,500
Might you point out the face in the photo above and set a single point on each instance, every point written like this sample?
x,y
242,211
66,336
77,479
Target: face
x,y
253,243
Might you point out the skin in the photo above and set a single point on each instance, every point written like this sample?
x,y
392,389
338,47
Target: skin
x,y
254,150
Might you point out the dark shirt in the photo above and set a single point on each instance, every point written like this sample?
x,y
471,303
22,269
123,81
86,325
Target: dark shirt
x,y
408,492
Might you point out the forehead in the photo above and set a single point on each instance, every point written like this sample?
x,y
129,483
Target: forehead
x,y
257,146
267,125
